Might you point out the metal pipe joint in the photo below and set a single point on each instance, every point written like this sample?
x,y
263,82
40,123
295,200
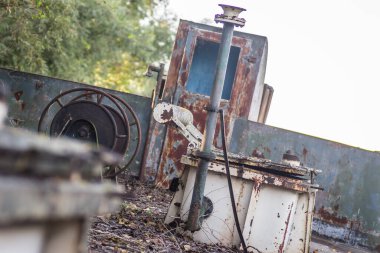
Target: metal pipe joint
x,y
230,15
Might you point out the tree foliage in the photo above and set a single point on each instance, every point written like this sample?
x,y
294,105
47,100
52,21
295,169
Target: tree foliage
x,y
107,42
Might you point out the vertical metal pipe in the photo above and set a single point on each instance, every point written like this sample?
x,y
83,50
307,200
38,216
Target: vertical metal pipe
x,y
220,74
195,213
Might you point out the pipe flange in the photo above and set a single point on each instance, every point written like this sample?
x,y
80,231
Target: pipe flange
x,y
230,15
205,155
211,109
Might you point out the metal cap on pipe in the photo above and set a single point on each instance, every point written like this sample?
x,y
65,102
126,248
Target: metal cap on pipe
x,y
230,15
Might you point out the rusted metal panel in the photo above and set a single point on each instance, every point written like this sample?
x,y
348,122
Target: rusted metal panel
x,y
219,227
247,83
245,172
155,144
348,209
262,198
30,93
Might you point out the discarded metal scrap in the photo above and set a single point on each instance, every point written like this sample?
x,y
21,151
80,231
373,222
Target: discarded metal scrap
x,y
280,194
98,117
347,210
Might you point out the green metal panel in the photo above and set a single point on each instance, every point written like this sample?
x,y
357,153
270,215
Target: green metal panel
x,y
349,207
29,94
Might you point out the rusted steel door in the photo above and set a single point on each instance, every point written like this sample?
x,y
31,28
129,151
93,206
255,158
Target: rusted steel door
x,y
189,84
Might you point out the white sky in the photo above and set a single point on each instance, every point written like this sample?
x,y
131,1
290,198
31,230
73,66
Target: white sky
x,y
323,63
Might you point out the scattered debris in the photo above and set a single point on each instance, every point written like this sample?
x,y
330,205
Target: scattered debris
x,y
139,226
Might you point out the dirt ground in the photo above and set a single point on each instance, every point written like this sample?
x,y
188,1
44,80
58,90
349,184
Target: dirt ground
x,y
139,226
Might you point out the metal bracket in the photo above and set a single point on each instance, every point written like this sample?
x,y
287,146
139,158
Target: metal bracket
x,y
182,118
208,156
211,109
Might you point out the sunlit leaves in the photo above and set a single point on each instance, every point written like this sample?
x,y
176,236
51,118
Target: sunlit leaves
x,y
108,42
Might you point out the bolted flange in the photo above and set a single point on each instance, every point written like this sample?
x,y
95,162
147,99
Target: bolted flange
x,y
230,15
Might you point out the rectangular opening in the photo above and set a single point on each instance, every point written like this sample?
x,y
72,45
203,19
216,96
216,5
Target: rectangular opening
x,y
203,67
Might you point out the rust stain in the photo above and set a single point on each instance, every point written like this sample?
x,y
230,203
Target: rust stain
x,y
196,104
238,106
38,84
168,93
281,248
185,73
167,115
242,101
18,95
332,217
176,59
173,138
241,192
294,184
256,186
216,37
172,88
304,153
257,153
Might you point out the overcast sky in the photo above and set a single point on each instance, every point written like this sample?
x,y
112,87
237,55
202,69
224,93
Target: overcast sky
x,y
323,63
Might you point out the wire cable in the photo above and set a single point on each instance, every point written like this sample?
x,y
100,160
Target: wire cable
x,y
233,204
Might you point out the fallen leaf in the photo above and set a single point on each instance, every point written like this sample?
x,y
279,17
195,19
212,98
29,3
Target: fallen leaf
x,y
187,247
127,236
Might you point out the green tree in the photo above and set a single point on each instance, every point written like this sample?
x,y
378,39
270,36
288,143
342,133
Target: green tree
x,y
107,42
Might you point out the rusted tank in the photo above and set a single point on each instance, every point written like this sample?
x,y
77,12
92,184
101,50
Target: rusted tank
x,y
348,209
275,208
264,192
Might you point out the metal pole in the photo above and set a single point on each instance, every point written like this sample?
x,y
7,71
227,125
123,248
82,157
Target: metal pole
x,y
230,19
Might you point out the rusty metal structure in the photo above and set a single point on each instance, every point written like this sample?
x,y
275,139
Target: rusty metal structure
x,y
89,117
347,210
265,193
229,19
79,111
189,84
261,192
